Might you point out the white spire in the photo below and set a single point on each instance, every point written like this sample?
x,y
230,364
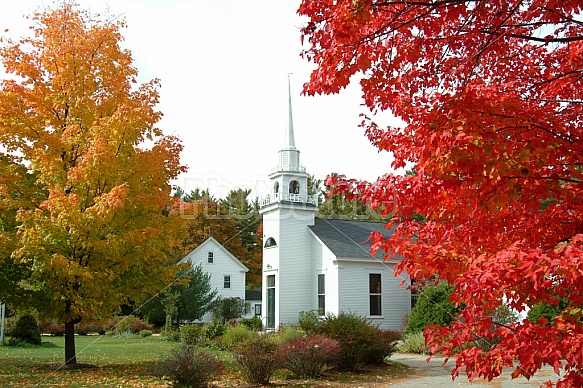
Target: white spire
x,y
289,141
289,155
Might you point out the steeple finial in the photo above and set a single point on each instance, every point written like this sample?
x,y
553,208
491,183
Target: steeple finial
x,y
289,135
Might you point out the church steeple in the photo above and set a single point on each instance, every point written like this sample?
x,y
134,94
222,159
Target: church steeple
x,y
289,141
289,179
289,155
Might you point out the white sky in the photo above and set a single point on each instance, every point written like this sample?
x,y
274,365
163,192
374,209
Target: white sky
x,y
223,65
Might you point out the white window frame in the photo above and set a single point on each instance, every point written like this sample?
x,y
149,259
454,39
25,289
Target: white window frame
x,y
321,293
375,294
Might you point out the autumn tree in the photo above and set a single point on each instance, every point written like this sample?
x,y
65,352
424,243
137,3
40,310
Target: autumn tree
x,y
246,214
237,206
85,171
490,96
232,221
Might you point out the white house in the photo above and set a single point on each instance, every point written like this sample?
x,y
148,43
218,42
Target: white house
x,y
321,264
227,273
253,303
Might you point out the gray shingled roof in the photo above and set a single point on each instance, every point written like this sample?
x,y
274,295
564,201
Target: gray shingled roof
x,y
346,238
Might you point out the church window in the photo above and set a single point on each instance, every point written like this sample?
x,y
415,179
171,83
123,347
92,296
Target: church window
x,y
374,281
210,257
270,242
321,294
276,187
227,281
294,187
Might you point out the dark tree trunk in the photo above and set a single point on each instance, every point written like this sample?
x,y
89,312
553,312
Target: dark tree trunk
x,y
70,354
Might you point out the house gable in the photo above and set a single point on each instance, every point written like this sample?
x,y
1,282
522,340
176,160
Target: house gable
x,y
200,254
227,273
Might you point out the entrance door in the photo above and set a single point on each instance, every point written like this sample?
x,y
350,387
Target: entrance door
x,y
271,301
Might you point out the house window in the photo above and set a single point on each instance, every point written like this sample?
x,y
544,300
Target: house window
x,y
321,294
270,242
227,281
210,257
374,282
258,309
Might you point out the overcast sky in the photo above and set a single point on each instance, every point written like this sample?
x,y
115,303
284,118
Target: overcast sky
x,y
223,66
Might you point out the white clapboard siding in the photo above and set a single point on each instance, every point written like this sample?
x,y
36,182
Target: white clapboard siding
x,y
224,264
355,297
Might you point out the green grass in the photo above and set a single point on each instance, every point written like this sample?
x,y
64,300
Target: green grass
x,y
127,362
119,362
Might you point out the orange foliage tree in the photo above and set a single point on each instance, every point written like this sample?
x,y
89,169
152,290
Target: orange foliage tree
x,y
491,96
91,231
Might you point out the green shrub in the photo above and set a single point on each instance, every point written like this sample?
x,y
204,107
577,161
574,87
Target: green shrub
x,y
252,323
258,359
308,357
191,334
234,335
214,329
432,308
187,367
172,335
17,342
226,309
309,321
355,334
26,330
216,343
413,343
383,345
146,333
287,333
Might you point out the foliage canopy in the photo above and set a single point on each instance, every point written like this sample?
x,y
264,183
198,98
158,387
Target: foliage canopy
x,y
85,171
490,95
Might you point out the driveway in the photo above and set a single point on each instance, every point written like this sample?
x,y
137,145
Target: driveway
x,y
434,374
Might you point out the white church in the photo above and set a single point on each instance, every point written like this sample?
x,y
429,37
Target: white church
x,y
321,264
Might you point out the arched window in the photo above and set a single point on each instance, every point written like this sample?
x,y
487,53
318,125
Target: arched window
x,y
294,187
276,187
270,242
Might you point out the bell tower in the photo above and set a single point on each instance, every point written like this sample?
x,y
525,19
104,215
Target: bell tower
x,y
287,212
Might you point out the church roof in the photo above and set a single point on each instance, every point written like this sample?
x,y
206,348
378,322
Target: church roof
x,y
347,239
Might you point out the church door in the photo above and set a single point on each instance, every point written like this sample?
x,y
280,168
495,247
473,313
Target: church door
x,y
271,301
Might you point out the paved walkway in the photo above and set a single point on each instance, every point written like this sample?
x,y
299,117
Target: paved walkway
x,y
435,375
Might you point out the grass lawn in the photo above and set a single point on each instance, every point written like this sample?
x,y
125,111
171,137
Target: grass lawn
x,y
120,362
126,362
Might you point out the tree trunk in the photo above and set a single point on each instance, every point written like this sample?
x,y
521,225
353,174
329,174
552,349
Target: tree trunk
x,y
70,354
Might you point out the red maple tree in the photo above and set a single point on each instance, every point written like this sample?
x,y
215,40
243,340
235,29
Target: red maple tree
x,y
491,94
